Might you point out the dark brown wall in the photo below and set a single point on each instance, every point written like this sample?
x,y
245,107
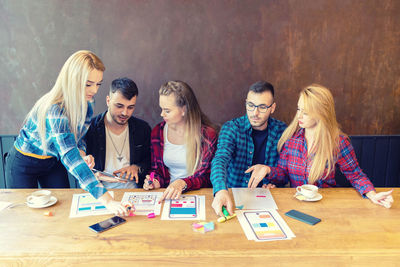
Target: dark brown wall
x,y
218,47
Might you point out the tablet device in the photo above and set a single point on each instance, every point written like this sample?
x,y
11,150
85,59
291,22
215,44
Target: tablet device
x,y
303,217
108,177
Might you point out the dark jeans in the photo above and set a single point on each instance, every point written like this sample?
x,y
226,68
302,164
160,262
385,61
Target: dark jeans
x,y
26,172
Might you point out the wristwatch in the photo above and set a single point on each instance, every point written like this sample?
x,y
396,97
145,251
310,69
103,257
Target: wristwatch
x,y
185,187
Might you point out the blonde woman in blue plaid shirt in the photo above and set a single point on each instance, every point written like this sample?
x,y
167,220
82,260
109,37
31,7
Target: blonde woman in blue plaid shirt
x,y
52,135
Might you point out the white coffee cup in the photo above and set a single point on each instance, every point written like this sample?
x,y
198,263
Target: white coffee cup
x,y
39,197
307,190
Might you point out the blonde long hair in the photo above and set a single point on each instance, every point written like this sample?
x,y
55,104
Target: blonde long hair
x,y
194,119
68,92
318,104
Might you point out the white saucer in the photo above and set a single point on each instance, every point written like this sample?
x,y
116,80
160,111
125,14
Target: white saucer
x,y
52,201
317,197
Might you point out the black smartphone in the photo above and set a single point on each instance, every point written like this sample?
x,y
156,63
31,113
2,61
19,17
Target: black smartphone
x,y
303,217
107,224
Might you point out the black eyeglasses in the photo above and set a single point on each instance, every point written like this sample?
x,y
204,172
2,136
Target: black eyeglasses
x,y
262,108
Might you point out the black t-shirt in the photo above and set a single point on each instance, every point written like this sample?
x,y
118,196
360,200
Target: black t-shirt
x,y
260,143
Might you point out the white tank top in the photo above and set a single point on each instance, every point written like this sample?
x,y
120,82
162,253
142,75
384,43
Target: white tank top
x,y
174,158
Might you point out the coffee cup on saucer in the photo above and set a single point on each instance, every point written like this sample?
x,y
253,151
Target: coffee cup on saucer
x,y
309,191
39,197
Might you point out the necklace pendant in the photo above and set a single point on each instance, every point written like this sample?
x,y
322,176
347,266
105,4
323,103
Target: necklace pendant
x,y
120,158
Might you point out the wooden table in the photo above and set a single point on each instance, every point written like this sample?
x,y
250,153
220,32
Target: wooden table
x,y
353,231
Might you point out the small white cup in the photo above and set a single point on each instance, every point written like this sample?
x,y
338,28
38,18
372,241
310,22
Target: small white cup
x,y
39,197
307,190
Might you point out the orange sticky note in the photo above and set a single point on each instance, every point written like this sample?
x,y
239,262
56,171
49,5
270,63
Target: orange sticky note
x,y
48,213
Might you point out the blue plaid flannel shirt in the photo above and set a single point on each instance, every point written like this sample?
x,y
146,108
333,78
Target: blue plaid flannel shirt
x,y
235,152
62,145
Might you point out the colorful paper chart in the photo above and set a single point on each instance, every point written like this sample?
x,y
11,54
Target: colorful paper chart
x,y
86,205
188,207
144,202
264,225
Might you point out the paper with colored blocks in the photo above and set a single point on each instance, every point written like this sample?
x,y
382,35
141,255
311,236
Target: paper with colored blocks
x,y
86,205
264,225
144,202
187,207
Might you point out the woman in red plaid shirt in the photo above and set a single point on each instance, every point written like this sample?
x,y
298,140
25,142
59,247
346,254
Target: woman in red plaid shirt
x,y
183,145
313,145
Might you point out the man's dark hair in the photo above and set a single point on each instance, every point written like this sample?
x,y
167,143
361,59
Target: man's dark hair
x,y
261,87
126,86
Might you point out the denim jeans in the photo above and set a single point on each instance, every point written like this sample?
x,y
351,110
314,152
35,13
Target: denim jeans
x,y
27,172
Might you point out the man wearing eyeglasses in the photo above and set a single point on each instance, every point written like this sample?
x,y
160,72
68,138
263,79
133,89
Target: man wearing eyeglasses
x,y
246,146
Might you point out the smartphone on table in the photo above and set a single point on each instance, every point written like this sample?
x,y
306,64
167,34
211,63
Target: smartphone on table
x,y
107,224
303,217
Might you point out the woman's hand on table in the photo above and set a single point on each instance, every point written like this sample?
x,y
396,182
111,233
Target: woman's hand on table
x,y
174,190
383,198
114,206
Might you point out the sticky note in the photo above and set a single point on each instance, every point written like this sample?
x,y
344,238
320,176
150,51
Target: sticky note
x,y
203,227
48,213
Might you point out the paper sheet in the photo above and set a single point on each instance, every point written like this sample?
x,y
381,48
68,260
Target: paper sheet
x,y
264,225
144,202
188,207
86,205
257,198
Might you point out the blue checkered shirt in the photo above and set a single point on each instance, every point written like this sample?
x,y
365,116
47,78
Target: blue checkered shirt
x,y
62,145
235,152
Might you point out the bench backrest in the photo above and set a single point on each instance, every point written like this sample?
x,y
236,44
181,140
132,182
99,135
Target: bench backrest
x,y
378,156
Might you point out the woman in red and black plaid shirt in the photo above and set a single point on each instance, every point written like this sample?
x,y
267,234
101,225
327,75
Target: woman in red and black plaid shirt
x,y
313,144
183,145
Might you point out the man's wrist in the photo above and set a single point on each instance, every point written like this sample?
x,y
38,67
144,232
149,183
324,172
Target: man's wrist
x,y
220,191
218,186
